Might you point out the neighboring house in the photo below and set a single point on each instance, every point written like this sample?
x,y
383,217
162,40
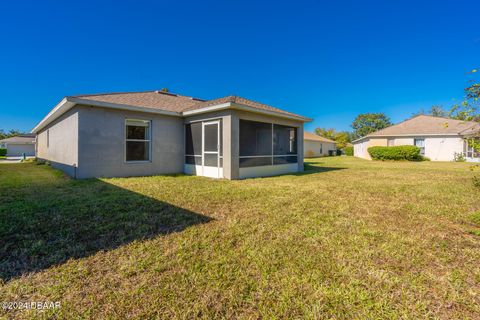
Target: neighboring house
x,y
439,139
155,132
19,145
316,146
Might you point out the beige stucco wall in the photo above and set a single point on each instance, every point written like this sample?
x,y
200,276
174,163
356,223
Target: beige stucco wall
x,y
312,148
437,148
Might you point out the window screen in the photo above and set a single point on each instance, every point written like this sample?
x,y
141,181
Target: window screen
x,y
266,144
193,138
255,138
211,137
137,134
284,140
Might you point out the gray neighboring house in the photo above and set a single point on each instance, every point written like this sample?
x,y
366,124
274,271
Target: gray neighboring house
x,y
19,145
156,132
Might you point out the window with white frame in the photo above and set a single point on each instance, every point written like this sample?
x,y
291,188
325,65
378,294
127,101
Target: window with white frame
x,y
468,149
421,144
390,142
138,140
321,148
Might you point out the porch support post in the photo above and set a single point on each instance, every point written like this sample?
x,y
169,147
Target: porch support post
x,y
231,147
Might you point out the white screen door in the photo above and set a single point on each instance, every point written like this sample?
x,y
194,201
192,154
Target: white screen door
x,y
211,149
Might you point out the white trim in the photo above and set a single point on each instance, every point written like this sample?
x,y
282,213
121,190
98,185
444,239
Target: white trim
x,y
210,171
269,156
269,112
217,107
237,106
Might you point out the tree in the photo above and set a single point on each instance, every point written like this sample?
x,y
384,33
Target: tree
x,y
436,111
341,138
11,133
369,122
326,133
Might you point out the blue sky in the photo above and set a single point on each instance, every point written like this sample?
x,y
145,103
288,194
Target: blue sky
x,y
329,60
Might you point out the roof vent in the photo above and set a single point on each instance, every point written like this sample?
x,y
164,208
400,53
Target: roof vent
x,y
166,92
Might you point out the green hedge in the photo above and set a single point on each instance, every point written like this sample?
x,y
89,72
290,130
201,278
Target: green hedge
x,y
348,151
410,153
3,152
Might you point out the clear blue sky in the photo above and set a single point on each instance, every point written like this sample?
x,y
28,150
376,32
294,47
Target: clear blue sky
x,y
329,60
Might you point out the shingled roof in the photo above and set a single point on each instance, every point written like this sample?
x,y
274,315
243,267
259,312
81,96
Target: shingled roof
x,y
428,125
163,103
148,99
313,137
174,102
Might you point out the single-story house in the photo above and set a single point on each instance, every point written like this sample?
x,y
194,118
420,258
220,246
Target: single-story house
x,y
439,139
316,146
156,132
19,145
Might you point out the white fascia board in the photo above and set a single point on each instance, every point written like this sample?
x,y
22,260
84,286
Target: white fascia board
x,y
269,112
236,106
69,102
62,107
217,107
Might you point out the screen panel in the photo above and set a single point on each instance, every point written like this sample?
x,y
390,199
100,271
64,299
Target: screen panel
x,y
284,140
255,162
193,138
195,160
285,160
255,138
211,137
211,160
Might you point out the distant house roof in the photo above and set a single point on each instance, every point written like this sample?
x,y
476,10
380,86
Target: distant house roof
x,y
165,103
313,137
428,125
20,139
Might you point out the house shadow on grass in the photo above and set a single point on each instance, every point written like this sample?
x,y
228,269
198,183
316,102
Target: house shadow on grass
x,y
44,224
311,168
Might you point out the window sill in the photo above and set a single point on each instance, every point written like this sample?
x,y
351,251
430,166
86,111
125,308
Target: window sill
x,y
138,161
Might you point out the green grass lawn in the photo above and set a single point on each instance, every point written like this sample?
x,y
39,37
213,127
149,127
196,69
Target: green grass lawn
x,y
346,239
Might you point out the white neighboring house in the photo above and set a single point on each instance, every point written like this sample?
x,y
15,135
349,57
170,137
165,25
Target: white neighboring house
x,y
19,145
316,146
439,139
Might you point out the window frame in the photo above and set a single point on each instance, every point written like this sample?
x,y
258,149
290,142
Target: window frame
x,y
421,148
137,140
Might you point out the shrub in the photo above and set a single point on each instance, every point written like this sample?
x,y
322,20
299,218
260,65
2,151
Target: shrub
x,y
410,153
349,151
3,152
459,157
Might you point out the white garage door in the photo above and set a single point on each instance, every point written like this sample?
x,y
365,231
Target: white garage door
x,y
17,150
